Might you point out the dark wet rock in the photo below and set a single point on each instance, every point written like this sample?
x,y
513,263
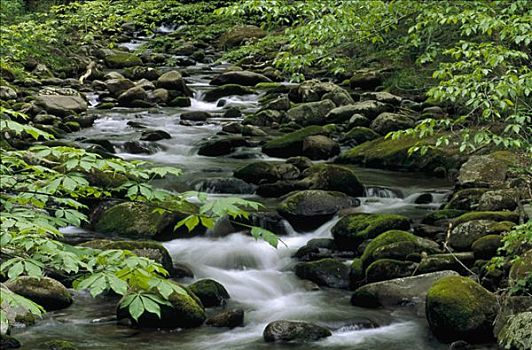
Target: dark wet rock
x,y
220,147
8,342
310,113
359,135
142,72
281,103
358,120
463,235
224,185
441,262
309,209
326,272
232,128
250,130
280,188
210,292
366,79
229,318
226,90
291,144
353,229
333,178
294,331
244,78
259,172
196,116
263,118
424,198
316,249
498,200
119,59
300,162
232,113
460,309
130,97
239,34
341,114
173,80
485,171
382,96
388,122
180,101
486,247
182,271
45,291
160,96
319,147
467,199
118,86
62,106
386,269
58,344
136,147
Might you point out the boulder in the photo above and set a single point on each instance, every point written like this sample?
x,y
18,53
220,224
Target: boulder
x,y
242,77
386,269
369,109
302,163
466,199
315,90
325,272
366,79
498,200
117,86
45,291
250,130
210,292
318,147
294,332
281,103
398,291
58,344
463,235
185,311
220,147
263,118
226,90
460,309
62,106
333,178
353,229
195,116
7,93
142,72
260,172
239,34
486,170
310,113
280,188
160,96
154,135
486,247
307,210
224,185
441,262
291,144
487,215
382,96
388,122
229,318
339,96
130,97
119,59
316,249
359,135
342,114
173,80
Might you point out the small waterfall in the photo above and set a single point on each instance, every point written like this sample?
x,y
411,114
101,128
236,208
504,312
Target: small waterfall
x,y
382,192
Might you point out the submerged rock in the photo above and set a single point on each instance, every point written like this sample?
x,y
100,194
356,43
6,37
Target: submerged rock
x,y
224,185
325,272
229,318
45,291
294,331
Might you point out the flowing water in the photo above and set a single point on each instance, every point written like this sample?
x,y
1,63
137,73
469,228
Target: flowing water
x,y
258,277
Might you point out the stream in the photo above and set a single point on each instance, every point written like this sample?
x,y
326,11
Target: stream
x,y
258,277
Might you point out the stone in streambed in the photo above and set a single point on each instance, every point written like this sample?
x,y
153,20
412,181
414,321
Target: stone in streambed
x,y
239,34
388,122
326,272
229,318
294,331
463,235
311,113
118,59
210,292
386,269
224,185
318,147
195,116
154,135
440,262
226,90
291,144
62,106
45,291
262,172
173,80
244,78
333,178
359,135
220,147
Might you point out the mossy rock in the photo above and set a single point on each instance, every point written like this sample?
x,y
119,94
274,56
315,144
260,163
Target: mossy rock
x,y
334,178
186,311
226,90
441,262
147,249
60,345
359,134
486,170
387,269
486,247
487,215
291,144
210,292
353,229
464,234
311,113
8,342
263,118
325,272
238,34
460,309
467,199
122,60
357,272
437,216
45,291
522,270
393,154
517,333
261,172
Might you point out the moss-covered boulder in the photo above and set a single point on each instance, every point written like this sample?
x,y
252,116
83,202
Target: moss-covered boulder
x,y
498,200
486,247
185,311
387,122
147,249
486,170
315,90
441,262
387,269
464,234
294,332
310,113
460,309
138,220
261,172
263,118
325,272
210,292
466,199
358,135
439,216
119,59
517,333
173,80
239,34
307,210
45,291
370,109
291,144
229,318
487,215
353,229
240,77
331,177
226,90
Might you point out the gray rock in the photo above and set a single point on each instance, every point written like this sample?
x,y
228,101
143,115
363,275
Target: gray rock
x,y
311,113
7,93
325,272
294,331
387,122
382,96
47,292
173,80
244,78
62,106
229,318
318,147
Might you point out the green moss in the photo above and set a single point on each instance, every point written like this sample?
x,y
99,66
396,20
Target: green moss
x,y
486,247
267,85
459,308
291,144
488,215
357,272
353,229
60,345
210,292
442,214
364,298
122,60
360,134
334,178
386,269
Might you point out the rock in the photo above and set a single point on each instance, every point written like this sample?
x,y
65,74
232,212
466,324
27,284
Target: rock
x,y
250,130
291,144
388,122
398,291
180,101
136,147
160,96
147,249
220,147
186,312
341,114
281,103
309,209
316,249
42,71
142,72
458,308
520,270
442,215
487,215
60,345
366,79
280,188
359,120
260,172
173,80
339,96
300,162
138,220
224,185
129,97
385,269
146,85
319,147
45,291
440,262
62,106
333,178
369,109
467,199
498,200
113,75
7,93
509,306
230,318
463,235
244,78
382,96
117,86
210,292
517,333
310,113
326,272
8,342
294,331
263,118
353,229
226,90
122,60
239,34
359,135
485,171
486,247
195,116
315,90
